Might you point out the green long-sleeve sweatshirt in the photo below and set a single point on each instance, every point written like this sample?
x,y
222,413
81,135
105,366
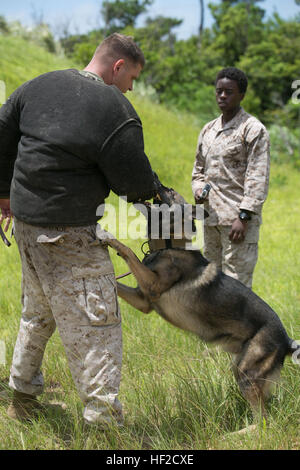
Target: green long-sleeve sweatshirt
x,y
66,140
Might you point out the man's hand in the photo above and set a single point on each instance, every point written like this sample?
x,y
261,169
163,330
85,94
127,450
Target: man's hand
x,y
5,213
202,194
198,198
238,231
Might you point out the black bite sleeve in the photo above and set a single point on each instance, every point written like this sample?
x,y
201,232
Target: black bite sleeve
x,y
9,140
126,166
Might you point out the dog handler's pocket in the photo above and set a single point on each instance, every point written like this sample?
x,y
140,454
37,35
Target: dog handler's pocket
x,y
252,234
98,298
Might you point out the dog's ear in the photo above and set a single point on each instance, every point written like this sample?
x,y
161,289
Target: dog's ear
x,y
170,272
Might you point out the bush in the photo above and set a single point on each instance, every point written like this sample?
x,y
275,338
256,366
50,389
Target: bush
x,y
285,145
4,28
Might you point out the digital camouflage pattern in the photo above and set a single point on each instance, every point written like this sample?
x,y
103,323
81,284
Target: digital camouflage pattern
x,y
92,75
237,260
68,281
235,160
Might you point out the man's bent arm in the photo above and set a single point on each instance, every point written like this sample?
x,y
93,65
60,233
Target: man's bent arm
x,y
258,170
9,139
126,166
198,170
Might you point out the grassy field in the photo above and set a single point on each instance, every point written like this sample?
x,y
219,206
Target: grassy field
x,y
177,393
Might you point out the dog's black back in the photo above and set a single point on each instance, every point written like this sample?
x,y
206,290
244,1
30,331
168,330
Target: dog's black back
x,y
213,305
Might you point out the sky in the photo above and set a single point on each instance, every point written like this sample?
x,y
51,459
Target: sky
x,y
82,16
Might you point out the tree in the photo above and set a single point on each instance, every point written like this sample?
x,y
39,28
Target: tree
x,y
3,25
157,41
249,2
201,26
218,10
81,47
183,75
119,14
235,27
271,64
41,32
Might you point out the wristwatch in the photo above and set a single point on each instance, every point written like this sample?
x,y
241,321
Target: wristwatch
x,y
244,216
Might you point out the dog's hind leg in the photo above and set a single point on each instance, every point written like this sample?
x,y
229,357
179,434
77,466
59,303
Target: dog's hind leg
x,y
249,388
256,391
256,370
253,393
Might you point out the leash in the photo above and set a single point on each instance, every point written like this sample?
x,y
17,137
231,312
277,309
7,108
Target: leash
x,y
7,243
123,275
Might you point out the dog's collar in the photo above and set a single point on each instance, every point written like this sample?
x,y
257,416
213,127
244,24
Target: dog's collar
x,y
166,244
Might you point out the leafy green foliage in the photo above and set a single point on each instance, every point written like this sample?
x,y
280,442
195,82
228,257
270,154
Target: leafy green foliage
x,y
16,68
3,25
182,72
273,63
177,393
285,144
118,14
236,27
40,34
82,46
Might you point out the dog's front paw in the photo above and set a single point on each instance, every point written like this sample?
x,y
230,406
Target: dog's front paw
x,y
104,237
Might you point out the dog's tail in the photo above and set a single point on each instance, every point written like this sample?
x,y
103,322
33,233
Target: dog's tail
x,y
294,351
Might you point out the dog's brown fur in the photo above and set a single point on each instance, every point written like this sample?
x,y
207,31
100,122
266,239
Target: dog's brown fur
x,y
189,292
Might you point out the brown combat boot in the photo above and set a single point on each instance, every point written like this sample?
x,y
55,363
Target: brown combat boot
x,y
23,406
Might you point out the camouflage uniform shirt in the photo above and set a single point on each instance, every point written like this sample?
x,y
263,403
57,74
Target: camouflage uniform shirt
x,y
235,160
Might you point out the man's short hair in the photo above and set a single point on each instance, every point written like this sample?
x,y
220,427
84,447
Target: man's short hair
x,y
117,46
232,73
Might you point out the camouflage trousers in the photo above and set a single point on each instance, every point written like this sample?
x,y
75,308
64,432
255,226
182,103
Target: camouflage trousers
x,y
237,260
68,281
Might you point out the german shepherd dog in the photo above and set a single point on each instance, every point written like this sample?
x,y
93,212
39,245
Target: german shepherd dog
x,y
188,291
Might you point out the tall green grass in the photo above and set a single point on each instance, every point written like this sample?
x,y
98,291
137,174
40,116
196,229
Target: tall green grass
x,y
21,60
177,393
